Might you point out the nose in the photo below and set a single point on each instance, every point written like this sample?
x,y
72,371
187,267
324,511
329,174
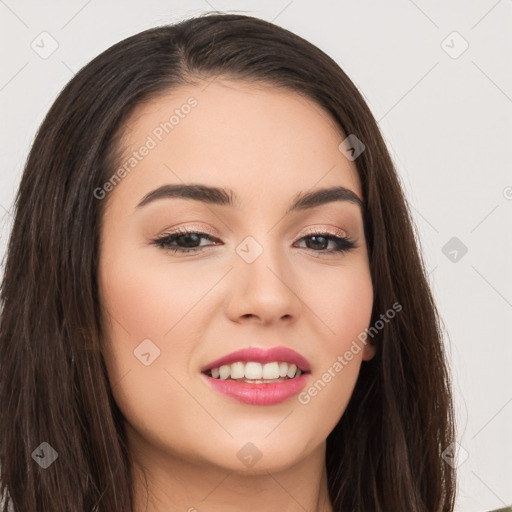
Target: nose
x,y
264,291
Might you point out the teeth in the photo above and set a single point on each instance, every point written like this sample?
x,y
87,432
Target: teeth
x,y
271,371
224,370
253,370
292,370
268,372
237,371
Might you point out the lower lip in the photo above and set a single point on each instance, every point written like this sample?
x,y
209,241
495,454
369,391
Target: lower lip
x,y
259,394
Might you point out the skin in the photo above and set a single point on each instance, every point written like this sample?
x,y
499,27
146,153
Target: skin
x,y
267,145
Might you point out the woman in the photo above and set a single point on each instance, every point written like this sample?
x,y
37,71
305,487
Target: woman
x,y
294,361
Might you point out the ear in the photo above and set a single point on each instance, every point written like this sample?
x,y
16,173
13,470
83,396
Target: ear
x,y
369,351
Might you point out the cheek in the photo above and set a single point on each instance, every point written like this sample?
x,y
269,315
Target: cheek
x,y
343,307
149,298
150,337
146,311
341,300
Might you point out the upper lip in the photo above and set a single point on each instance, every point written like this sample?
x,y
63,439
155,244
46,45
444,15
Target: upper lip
x,y
261,355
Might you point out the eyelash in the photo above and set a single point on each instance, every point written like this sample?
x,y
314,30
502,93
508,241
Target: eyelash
x,y
343,244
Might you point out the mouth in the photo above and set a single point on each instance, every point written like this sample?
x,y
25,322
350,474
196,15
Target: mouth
x,y
254,372
257,376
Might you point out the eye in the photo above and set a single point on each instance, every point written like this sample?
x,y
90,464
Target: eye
x,y
182,236
188,241
320,240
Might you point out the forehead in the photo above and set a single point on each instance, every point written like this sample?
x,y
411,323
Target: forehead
x,y
255,138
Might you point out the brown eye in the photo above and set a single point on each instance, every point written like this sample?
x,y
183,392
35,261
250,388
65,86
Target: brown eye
x,y
320,241
187,241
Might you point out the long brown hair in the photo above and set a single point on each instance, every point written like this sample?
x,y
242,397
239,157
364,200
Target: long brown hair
x,y
385,454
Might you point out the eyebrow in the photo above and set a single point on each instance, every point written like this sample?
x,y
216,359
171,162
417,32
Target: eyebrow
x,y
226,197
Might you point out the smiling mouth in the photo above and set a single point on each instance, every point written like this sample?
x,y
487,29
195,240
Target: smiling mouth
x,y
253,372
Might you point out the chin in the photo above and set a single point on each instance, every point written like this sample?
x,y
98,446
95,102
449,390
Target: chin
x,y
261,455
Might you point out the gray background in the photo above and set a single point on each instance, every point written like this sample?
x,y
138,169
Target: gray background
x,y
445,114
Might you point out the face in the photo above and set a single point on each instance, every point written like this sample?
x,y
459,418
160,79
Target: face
x,y
257,274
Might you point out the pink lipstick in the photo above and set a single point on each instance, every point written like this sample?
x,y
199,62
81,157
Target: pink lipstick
x,y
258,376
